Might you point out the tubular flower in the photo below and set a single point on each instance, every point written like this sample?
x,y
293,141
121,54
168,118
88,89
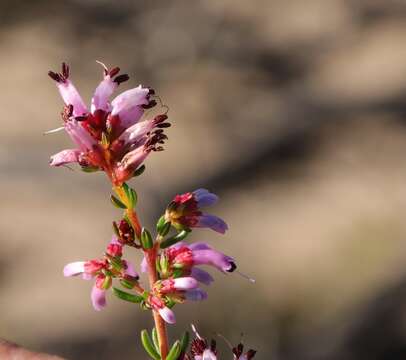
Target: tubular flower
x,y
109,137
184,211
103,271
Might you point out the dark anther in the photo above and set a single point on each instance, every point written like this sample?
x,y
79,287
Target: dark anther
x,y
197,347
114,71
213,345
250,354
164,125
160,118
65,70
54,76
81,118
151,91
237,351
67,112
233,267
121,78
150,105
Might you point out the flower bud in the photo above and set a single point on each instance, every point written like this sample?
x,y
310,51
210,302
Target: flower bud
x,y
146,239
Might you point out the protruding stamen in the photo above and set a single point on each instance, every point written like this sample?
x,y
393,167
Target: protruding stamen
x,y
245,277
54,130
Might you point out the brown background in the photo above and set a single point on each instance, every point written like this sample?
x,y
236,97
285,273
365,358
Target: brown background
x,y
292,111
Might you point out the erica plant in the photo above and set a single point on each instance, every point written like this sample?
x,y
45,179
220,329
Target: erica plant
x,y
116,137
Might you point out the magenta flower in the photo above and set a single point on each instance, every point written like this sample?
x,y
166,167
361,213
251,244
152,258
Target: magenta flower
x,y
103,271
184,211
109,137
185,256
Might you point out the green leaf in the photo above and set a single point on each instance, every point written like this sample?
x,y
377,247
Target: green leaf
x,y
131,196
146,239
174,239
184,342
127,284
148,345
126,296
139,171
155,339
174,352
117,203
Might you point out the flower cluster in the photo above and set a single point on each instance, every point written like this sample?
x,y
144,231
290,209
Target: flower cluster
x,y
111,137
201,349
103,271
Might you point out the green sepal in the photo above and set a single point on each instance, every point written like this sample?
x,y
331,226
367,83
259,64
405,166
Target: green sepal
x,y
170,303
127,297
184,342
117,203
174,239
149,346
116,263
146,239
139,171
131,196
163,226
89,169
155,339
174,352
105,140
177,273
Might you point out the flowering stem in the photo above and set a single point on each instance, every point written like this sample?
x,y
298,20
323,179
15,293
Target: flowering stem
x,y
150,256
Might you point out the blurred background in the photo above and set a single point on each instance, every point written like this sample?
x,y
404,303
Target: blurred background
x,y
294,112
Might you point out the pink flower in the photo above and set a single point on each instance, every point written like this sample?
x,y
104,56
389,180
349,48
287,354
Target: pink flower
x,y
109,137
158,305
184,211
103,271
188,256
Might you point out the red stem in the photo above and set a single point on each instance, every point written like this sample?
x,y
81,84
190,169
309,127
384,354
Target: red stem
x,y
150,256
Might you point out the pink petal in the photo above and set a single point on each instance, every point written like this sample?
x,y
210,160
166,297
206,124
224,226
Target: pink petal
x,y
167,314
202,276
209,355
74,268
65,157
185,283
80,135
98,297
136,132
71,96
127,105
130,270
196,295
102,94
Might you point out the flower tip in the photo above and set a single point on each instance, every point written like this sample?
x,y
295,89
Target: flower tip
x,y
74,268
168,315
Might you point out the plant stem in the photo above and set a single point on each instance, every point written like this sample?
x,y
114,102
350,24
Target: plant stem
x,y
150,256
160,325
